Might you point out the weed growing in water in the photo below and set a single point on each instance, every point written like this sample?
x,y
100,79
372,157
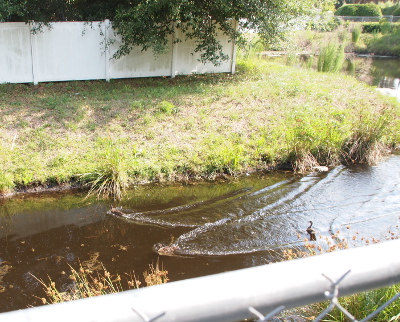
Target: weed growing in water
x,y
85,283
366,145
356,33
111,177
331,58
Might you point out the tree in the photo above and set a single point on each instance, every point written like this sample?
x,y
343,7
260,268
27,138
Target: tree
x,y
150,23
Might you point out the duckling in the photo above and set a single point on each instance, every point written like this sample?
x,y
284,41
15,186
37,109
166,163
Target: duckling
x,y
311,231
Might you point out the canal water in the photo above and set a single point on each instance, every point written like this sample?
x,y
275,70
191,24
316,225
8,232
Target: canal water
x,y
216,227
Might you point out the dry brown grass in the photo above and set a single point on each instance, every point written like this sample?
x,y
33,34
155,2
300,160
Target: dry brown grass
x,y
92,279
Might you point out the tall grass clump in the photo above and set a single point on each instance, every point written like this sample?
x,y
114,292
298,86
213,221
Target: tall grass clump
x,y
368,143
111,177
356,33
312,141
84,283
331,58
6,182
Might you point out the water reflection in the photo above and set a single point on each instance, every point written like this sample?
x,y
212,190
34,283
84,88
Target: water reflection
x,y
379,72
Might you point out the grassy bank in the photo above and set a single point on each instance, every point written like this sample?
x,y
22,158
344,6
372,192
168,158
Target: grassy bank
x,y
112,135
380,39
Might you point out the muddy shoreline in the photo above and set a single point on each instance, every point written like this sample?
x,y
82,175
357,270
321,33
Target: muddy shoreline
x,y
187,180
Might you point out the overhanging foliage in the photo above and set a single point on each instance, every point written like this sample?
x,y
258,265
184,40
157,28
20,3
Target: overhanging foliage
x,y
150,23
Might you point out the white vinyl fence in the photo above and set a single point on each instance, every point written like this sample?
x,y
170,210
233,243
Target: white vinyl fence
x,y
79,51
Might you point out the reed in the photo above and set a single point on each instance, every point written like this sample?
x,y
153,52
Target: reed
x,y
86,283
331,58
111,177
356,33
367,142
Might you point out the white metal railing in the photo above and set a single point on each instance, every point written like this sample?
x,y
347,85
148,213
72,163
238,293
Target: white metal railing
x,y
237,295
369,19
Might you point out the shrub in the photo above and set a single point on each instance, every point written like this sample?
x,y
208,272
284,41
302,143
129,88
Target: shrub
x,y
397,11
376,27
388,8
366,10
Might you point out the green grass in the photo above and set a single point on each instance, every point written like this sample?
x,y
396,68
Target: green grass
x,y
113,135
362,304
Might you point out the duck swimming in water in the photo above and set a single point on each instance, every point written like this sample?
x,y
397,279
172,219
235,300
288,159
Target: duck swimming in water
x,y
311,231
165,250
116,211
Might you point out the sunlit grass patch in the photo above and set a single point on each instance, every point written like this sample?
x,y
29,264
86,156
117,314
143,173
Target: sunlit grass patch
x,y
199,126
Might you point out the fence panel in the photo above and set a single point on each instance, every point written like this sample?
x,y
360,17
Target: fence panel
x,y
69,51
187,63
15,53
139,63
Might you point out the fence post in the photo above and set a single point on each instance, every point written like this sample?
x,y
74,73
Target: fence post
x,y
107,26
33,47
234,49
174,49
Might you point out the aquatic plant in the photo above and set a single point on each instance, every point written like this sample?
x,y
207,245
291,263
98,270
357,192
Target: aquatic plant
x,y
331,58
356,33
86,283
367,142
111,178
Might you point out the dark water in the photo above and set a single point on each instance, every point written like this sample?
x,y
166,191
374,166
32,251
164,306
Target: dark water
x,y
218,227
379,72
